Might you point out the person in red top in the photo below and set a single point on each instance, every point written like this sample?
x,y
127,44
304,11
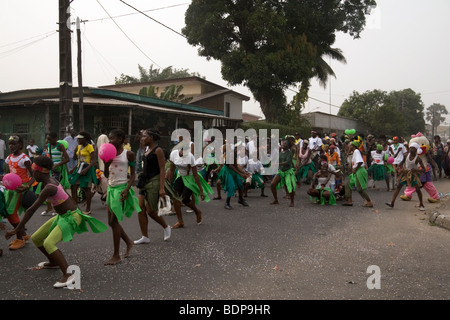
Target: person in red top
x,y
20,164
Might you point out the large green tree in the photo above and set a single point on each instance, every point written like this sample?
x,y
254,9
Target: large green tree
x,y
394,113
270,45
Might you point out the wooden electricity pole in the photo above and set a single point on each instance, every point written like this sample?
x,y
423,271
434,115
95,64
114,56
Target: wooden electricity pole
x,y
65,70
80,78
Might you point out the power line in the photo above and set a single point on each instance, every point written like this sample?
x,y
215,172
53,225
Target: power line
x,y
153,19
131,40
327,103
17,49
13,43
133,13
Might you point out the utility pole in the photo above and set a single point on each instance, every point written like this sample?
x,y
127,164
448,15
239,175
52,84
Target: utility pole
x,y
80,81
65,70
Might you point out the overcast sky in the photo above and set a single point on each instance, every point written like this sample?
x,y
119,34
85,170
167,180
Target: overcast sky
x,y
405,45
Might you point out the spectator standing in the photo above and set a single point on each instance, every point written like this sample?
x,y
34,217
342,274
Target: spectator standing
x,y
73,145
102,139
2,153
31,148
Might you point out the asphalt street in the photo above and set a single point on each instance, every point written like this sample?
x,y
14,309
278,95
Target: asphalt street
x,y
260,252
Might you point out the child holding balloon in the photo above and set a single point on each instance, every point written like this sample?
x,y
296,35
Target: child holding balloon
x,y
19,180
120,198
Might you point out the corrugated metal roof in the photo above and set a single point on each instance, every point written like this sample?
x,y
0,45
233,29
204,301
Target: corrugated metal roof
x,y
121,103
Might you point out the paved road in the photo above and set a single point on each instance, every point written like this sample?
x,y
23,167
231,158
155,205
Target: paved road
x,y
262,252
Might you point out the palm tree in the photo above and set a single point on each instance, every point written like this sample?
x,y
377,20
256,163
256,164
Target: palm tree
x,y
434,115
323,69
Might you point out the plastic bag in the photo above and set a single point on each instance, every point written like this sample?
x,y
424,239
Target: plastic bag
x,y
164,206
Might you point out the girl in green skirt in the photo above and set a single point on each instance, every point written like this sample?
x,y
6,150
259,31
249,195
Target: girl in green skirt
x,y
188,183
83,174
285,175
120,197
62,227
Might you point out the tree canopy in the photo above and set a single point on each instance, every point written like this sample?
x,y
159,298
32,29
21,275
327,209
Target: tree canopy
x,y
270,45
396,113
435,114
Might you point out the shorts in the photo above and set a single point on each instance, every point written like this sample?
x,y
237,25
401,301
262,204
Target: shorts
x,y
182,190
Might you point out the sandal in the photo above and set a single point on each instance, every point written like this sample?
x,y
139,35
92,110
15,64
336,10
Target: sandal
x,y
178,225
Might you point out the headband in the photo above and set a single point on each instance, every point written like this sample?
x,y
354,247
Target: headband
x,y
416,145
355,143
35,167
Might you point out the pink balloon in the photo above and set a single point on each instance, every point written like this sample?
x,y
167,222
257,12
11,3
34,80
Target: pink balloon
x,y
390,160
107,152
11,181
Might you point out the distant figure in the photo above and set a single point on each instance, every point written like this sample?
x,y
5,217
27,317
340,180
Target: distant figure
x,y
102,139
73,145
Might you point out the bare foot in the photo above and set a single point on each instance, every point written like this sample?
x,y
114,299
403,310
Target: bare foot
x,y
129,246
199,216
291,204
274,202
114,260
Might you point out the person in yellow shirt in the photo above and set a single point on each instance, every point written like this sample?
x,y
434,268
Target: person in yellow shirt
x,y
83,174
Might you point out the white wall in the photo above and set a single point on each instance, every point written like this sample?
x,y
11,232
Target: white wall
x,y
235,106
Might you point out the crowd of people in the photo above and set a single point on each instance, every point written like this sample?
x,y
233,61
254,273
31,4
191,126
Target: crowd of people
x,y
331,167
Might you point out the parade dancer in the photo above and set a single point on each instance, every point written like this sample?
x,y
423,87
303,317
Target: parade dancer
x,y
410,175
62,227
358,177
120,197
20,164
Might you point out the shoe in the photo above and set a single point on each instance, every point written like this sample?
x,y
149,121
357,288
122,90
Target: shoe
x,y
243,202
178,225
432,200
405,198
70,280
142,240
422,208
227,206
389,204
17,244
189,211
45,265
167,233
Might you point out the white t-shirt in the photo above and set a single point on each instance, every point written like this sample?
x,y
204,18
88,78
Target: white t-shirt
x,y
254,166
377,158
252,150
242,161
399,158
2,149
182,163
31,149
356,158
314,143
